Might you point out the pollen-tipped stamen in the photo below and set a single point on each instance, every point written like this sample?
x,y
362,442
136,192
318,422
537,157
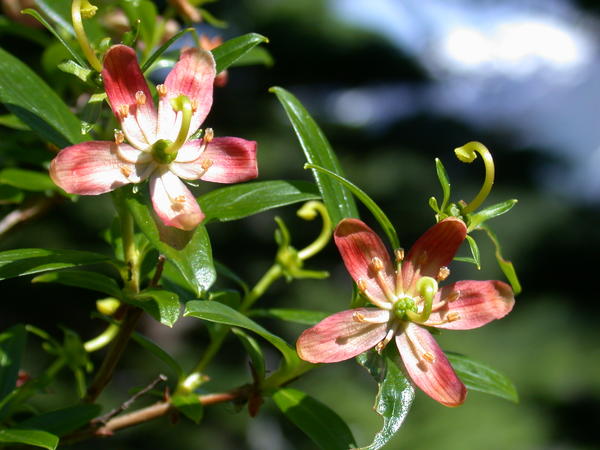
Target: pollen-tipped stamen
x,y
399,254
386,340
443,273
362,287
358,316
450,317
378,267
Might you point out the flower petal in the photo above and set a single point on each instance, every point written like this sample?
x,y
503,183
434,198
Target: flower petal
x,y
434,249
428,367
340,336
358,245
173,202
123,79
478,303
193,76
94,167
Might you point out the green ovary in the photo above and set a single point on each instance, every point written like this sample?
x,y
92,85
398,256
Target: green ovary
x,y
402,305
162,151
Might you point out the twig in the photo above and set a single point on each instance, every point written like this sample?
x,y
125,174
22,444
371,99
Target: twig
x,y
24,213
158,272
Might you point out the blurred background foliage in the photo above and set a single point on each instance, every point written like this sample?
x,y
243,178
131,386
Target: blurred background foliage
x,y
393,84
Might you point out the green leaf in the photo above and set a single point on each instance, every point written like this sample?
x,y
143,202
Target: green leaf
x,y
189,405
317,420
301,316
12,121
394,397
145,12
28,180
165,305
475,256
338,199
12,347
243,200
479,377
159,353
230,51
489,213
62,421
36,438
506,266
220,313
444,183
254,352
256,56
163,48
189,251
377,212
26,261
83,279
29,98
59,12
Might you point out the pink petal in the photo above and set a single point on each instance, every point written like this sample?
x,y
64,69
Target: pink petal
x,y
434,249
358,245
432,373
478,303
232,160
122,80
340,336
94,167
193,76
173,202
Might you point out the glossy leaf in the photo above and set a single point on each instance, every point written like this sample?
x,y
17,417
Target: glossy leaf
x,y
233,49
26,261
160,304
394,397
301,316
87,280
189,405
12,347
35,438
479,377
28,180
145,12
444,183
254,351
243,200
475,255
163,48
189,251
338,198
158,352
12,121
220,313
59,12
316,420
29,98
489,213
506,266
62,421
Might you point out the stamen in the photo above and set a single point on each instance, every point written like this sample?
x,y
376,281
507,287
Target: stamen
x,y
208,135
122,111
419,351
140,98
179,199
125,171
386,340
399,254
362,287
194,105
119,137
377,264
453,296
379,268
162,90
358,317
452,316
443,273
429,357
206,164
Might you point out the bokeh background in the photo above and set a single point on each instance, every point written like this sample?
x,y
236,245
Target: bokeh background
x,y
393,84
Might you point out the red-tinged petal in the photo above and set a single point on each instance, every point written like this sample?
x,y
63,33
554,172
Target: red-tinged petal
x,y
192,76
173,202
478,303
358,245
434,249
123,80
428,367
95,167
341,336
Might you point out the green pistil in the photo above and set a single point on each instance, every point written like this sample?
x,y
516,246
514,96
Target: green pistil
x,y
183,105
427,288
467,154
404,306
162,152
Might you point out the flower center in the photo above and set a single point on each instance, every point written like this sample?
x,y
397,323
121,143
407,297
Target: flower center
x,y
163,152
402,305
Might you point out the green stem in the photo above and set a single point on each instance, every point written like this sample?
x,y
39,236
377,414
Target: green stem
x,y
263,284
467,154
102,340
308,212
80,33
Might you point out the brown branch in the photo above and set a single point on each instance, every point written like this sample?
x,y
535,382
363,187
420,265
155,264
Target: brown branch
x,y
28,211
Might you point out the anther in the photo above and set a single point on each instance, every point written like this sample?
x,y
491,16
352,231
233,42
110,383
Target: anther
x,y
194,103
125,171
123,111
429,357
208,135
140,98
452,316
162,90
399,254
179,199
377,264
361,285
358,316
119,137
443,273
452,296
206,164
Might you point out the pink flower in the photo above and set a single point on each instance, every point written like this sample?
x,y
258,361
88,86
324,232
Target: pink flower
x,y
158,145
408,300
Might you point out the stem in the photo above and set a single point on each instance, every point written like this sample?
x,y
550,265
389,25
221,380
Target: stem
x,y
263,284
467,154
308,212
84,43
102,340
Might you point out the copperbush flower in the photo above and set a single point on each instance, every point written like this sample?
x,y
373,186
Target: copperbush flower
x,y
158,144
408,300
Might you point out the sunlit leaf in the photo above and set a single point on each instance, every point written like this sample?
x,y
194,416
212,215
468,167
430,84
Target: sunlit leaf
x,y
161,304
189,405
35,438
233,49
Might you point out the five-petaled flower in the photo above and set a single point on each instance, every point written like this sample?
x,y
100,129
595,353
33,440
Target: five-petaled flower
x,y
158,145
408,301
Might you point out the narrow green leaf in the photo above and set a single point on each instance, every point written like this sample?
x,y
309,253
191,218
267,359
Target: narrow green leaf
x,y
88,280
163,48
28,180
316,420
164,306
506,266
489,213
189,405
36,438
243,200
12,121
377,212
145,12
220,313
479,377
444,183
12,347
189,251
153,348
233,49
394,397
254,352
338,199
301,316
29,98
26,261
474,251
62,421
59,12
